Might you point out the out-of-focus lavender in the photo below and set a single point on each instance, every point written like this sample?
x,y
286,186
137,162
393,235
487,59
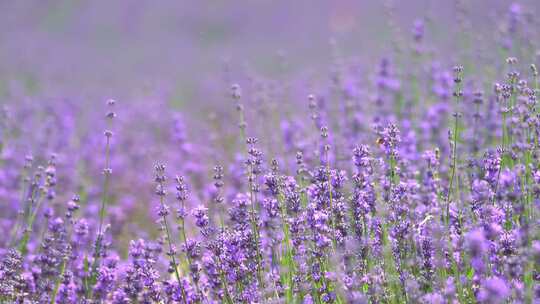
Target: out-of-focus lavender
x,y
340,152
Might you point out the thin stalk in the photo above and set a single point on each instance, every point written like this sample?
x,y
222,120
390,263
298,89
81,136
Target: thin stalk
x,y
236,94
183,231
102,214
455,160
30,223
171,250
228,297
288,260
254,225
533,141
160,191
59,279
331,207
20,215
104,200
457,95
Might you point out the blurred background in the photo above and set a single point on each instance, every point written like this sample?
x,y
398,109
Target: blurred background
x,y
174,49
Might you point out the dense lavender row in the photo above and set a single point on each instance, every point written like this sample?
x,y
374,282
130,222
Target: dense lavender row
x,y
416,183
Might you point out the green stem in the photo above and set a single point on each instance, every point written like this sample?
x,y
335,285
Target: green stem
x,y
102,214
288,261
252,196
331,207
21,215
171,251
30,223
183,231
454,151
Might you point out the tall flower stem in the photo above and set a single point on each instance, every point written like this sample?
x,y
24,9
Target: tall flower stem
x,y
107,171
163,213
182,196
72,206
24,194
458,70
326,148
38,194
236,95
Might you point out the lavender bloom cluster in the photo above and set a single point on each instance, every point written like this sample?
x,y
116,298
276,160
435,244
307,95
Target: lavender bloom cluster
x,y
417,181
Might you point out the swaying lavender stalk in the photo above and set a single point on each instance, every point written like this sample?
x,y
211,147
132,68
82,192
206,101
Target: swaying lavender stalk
x,y
163,213
326,149
458,70
107,171
37,199
253,214
251,177
72,207
182,196
23,200
218,184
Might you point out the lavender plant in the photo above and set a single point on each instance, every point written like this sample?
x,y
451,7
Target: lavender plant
x,y
416,183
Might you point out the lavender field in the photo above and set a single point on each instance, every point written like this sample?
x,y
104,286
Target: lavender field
x,y
270,152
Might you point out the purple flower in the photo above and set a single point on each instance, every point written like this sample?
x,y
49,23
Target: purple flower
x,y
494,290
